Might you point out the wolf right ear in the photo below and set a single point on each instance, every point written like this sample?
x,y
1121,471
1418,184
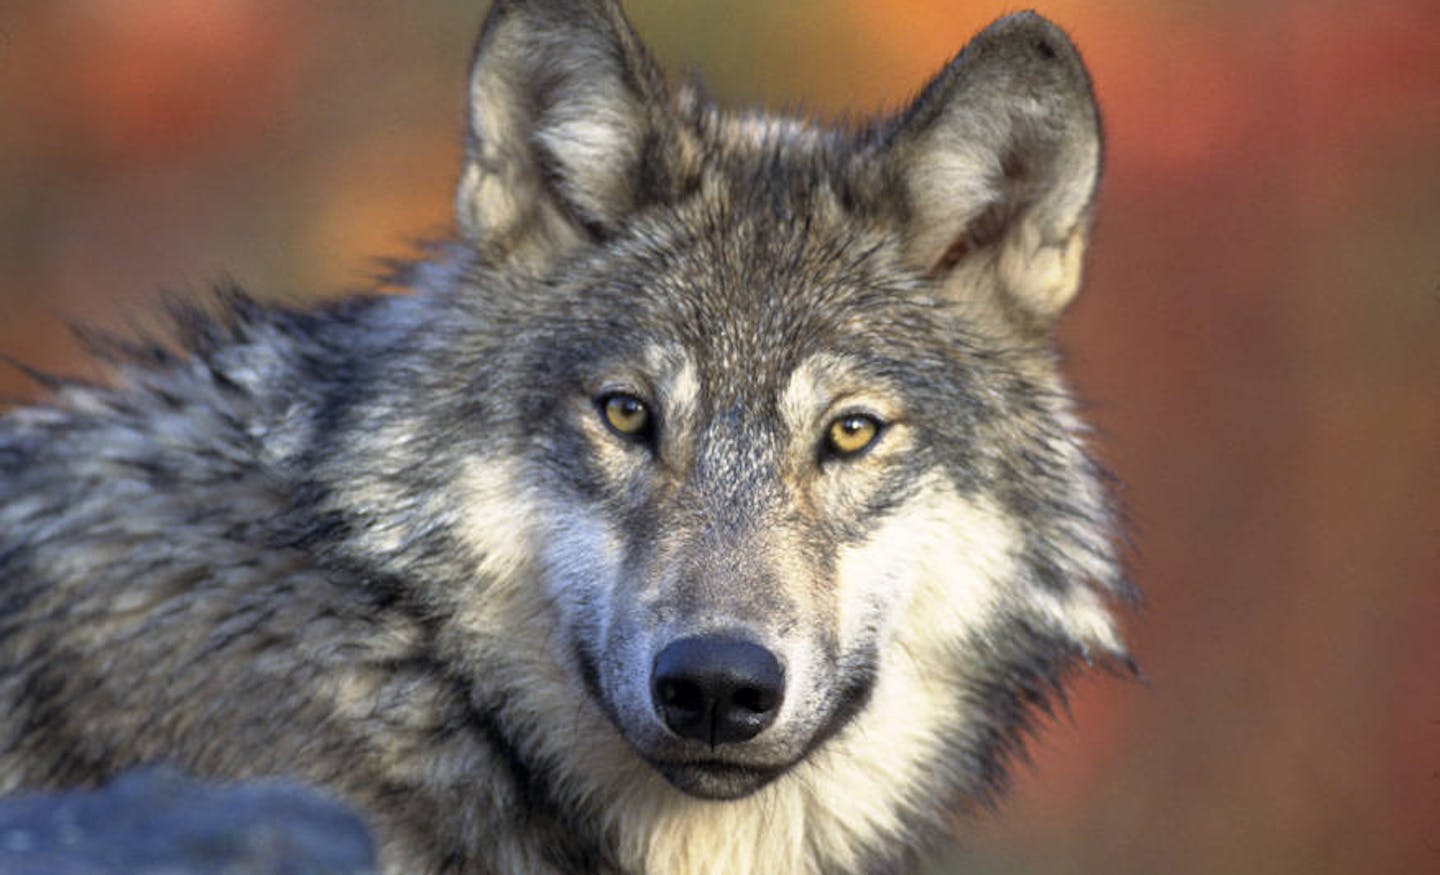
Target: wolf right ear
x,y
566,112
998,160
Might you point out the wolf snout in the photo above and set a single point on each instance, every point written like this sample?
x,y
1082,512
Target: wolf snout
x,y
717,689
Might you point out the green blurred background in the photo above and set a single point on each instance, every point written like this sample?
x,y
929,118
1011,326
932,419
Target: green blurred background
x,y
1259,337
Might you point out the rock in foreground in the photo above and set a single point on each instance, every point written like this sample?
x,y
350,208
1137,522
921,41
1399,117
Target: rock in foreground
x,y
159,821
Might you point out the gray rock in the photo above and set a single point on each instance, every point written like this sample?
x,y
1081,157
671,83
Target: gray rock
x,y
160,822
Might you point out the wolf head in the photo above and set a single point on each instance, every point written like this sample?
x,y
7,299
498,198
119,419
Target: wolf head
x,y
750,430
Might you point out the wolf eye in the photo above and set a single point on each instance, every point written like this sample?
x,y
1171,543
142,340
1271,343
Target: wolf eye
x,y
626,415
851,435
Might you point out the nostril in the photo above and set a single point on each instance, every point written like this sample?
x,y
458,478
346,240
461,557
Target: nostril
x,y
754,699
680,694
717,689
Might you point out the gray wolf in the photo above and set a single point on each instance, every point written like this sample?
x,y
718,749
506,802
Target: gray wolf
x,y
712,504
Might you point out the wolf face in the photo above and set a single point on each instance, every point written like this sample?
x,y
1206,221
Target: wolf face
x,y
775,426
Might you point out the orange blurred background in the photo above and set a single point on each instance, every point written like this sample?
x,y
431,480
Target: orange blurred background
x,y
1259,337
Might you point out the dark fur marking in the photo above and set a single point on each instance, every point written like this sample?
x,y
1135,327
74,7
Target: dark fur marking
x,y
851,700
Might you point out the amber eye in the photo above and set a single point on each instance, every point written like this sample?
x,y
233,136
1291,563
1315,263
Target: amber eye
x,y
851,435
626,415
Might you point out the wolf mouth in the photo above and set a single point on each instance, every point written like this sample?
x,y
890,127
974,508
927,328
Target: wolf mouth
x,y
717,779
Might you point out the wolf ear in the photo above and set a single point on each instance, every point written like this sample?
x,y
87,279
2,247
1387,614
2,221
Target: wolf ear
x,y
564,104
998,159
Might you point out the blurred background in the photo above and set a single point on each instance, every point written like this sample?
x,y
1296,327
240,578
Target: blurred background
x,y
1259,337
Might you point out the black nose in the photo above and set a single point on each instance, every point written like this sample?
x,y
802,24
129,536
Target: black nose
x,y
717,689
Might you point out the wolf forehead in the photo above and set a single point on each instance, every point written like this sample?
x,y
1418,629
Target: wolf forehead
x,y
743,290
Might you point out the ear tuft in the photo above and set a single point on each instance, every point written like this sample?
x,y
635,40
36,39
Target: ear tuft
x,y
998,159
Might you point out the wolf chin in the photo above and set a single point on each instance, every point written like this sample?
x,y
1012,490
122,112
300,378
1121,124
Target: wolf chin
x,y
712,503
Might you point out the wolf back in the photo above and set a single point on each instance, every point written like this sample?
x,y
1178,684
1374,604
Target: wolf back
x,y
713,502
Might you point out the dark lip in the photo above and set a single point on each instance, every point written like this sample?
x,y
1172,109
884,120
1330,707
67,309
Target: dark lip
x,y
722,767
717,780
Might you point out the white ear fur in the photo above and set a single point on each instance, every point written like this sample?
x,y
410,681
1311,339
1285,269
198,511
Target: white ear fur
x,y
1043,274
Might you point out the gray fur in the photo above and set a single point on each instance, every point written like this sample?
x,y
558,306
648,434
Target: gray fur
x,y
389,546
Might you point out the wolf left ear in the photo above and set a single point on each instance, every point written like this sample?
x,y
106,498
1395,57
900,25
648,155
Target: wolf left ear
x,y
565,111
998,159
